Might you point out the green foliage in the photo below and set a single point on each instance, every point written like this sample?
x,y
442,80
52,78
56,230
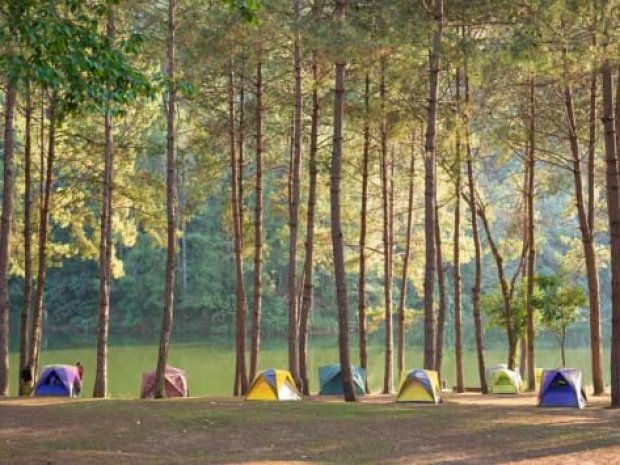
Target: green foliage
x,y
562,302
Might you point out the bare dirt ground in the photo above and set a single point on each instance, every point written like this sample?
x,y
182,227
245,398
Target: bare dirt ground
x,y
465,429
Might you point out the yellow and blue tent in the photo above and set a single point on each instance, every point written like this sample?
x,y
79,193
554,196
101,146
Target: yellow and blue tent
x,y
501,380
273,384
420,386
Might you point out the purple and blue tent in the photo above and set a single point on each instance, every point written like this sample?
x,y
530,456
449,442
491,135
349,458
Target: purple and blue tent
x,y
59,380
562,388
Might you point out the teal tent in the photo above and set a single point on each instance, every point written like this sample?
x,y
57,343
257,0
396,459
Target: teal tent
x,y
330,378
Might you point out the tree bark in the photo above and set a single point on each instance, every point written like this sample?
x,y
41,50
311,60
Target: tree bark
x,y
593,286
531,242
167,317
5,232
241,380
37,328
387,244
587,240
27,300
477,249
258,225
613,213
441,283
429,193
307,299
456,249
362,323
336,226
105,252
405,273
613,207
293,316
506,291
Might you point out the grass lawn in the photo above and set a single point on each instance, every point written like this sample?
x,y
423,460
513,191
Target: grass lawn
x,y
465,429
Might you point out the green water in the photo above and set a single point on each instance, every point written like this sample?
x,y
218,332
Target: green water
x,y
210,367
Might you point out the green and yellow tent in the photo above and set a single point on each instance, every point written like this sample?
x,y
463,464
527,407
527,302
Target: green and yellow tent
x,y
420,386
273,384
501,380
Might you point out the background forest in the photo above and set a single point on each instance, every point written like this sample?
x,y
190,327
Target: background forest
x,y
512,205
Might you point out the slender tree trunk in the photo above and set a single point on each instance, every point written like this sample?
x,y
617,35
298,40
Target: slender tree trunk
x,y
429,193
613,206
522,356
593,279
456,250
27,301
405,275
167,317
531,242
441,282
258,224
478,329
563,345
5,233
241,151
293,316
105,253
336,221
306,305
241,380
387,245
588,245
506,292
37,327
362,323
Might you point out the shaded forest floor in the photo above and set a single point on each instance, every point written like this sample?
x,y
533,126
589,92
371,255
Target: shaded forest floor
x,y
465,429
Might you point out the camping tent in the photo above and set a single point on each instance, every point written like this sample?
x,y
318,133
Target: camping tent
x,y
330,378
501,380
175,383
562,388
273,384
420,386
59,380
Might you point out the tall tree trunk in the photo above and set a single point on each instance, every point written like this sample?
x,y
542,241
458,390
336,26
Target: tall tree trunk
x,y
306,305
531,241
336,221
593,280
587,241
105,252
506,291
5,232
241,150
405,274
258,224
37,320
613,211
166,322
429,193
441,282
456,249
293,316
27,301
362,322
387,245
478,329
241,380
613,207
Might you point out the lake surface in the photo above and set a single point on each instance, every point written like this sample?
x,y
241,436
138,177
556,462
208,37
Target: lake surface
x,y
210,367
